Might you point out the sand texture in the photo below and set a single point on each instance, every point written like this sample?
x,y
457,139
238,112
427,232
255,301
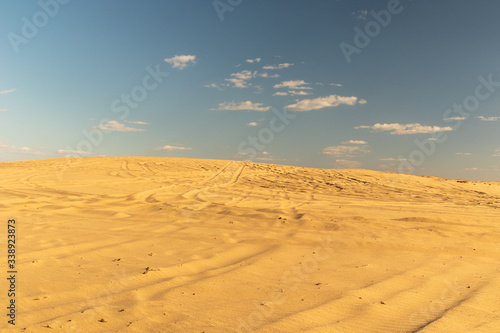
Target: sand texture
x,y
146,244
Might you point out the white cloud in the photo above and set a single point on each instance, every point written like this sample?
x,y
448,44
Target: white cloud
x,y
323,102
336,84
454,118
269,159
400,129
4,92
137,122
21,150
292,93
214,85
393,159
354,142
294,84
464,154
488,118
265,74
248,105
115,126
73,152
344,150
251,61
348,164
253,123
239,80
172,148
497,153
181,61
471,169
280,66
298,93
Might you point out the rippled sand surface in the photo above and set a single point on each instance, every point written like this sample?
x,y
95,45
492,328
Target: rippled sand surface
x,y
142,244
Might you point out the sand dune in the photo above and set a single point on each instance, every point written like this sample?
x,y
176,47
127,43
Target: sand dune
x,y
140,244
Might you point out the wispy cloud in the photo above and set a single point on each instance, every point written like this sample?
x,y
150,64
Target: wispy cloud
x,y
5,92
335,84
391,159
215,85
299,93
253,123
454,118
251,61
248,105
464,154
324,102
488,118
241,79
471,169
294,84
115,126
1,110
279,66
354,142
22,150
401,129
497,153
137,122
181,61
344,150
265,74
361,14
292,93
268,157
348,149
172,148
73,152
348,164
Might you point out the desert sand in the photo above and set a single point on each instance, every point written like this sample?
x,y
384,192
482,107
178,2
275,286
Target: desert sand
x,y
146,244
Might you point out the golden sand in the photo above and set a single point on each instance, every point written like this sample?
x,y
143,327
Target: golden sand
x,y
144,244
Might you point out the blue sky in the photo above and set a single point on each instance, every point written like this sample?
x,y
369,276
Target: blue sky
x,y
403,86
